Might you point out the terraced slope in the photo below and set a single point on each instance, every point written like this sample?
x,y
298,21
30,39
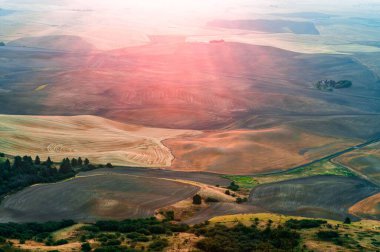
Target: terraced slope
x,y
101,140
89,198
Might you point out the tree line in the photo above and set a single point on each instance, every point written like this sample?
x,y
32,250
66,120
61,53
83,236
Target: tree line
x,y
25,171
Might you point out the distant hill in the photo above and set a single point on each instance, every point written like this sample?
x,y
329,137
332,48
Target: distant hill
x,y
269,26
306,15
60,43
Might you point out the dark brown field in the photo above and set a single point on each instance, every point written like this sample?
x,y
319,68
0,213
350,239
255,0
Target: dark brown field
x,y
319,196
94,197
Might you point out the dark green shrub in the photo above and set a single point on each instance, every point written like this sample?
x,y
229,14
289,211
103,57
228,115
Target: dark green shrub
x,y
233,186
86,247
157,229
112,242
304,224
210,199
158,245
60,242
327,235
347,220
197,199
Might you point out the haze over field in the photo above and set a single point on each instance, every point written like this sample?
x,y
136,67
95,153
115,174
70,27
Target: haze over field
x,y
129,109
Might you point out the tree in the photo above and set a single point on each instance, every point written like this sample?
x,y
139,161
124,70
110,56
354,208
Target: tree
x,y
197,199
2,43
7,165
17,163
5,169
74,162
86,161
80,161
37,161
49,163
109,165
65,166
233,186
347,220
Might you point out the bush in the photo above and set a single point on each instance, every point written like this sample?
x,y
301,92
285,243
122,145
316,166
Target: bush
x,y
91,228
114,249
86,247
210,199
242,238
347,220
241,200
169,215
157,229
60,242
197,199
29,230
304,224
327,235
158,245
112,242
233,186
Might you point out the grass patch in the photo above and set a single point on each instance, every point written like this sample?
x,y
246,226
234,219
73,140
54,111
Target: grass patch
x,y
247,182
324,167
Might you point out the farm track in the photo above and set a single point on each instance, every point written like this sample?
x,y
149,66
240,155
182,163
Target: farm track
x,y
329,158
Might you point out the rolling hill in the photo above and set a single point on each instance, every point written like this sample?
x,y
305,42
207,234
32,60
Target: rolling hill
x,y
101,140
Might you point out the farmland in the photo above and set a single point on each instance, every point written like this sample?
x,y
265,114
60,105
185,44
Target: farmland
x,y
94,197
323,167
177,126
297,196
367,208
99,139
364,161
252,151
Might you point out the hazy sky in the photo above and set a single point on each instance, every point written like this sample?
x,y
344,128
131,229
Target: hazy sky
x,y
120,23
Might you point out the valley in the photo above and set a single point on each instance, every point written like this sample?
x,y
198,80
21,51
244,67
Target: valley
x,y
178,126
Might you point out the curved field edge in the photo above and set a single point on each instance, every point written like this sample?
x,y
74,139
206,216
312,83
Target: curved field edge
x,y
316,196
94,197
99,139
367,208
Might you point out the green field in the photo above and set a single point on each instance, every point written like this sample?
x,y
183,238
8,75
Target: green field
x,y
324,167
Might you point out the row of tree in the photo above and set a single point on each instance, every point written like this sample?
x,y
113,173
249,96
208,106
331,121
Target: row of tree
x,y
25,171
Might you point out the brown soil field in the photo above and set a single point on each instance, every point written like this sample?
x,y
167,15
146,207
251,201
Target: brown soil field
x,y
365,161
93,197
318,196
101,140
201,177
183,85
367,208
251,151
223,152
